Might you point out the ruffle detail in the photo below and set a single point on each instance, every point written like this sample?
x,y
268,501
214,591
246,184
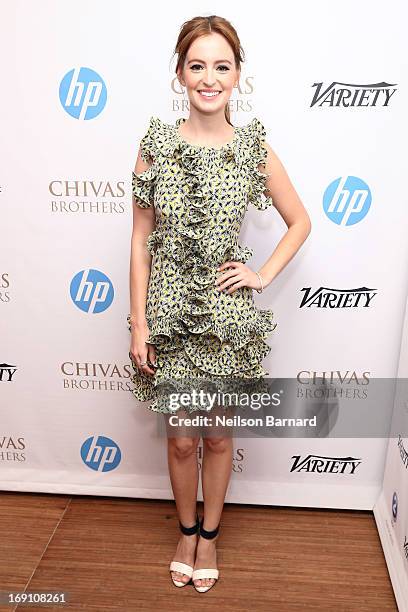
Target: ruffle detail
x,y
149,389
154,240
217,350
149,149
248,377
163,139
143,182
258,178
222,358
143,186
163,330
241,253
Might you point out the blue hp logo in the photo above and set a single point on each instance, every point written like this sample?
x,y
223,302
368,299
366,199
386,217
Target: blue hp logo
x,y
92,291
394,506
82,93
346,201
100,454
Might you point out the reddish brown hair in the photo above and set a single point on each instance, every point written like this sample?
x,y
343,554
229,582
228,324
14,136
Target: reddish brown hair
x,y
201,26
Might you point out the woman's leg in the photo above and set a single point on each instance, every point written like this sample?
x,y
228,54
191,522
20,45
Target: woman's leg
x,y
215,477
183,471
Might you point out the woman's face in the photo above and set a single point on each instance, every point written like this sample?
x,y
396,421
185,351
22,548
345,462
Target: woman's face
x,y
209,65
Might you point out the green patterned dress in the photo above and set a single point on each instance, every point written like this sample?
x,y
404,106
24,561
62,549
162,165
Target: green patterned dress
x,y
202,336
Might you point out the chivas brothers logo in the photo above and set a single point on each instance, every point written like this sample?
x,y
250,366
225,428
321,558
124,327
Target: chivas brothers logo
x,y
238,459
350,94
325,297
4,284
323,465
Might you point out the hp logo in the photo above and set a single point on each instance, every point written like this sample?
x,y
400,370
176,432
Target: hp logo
x,y
92,291
82,93
347,200
100,454
394,506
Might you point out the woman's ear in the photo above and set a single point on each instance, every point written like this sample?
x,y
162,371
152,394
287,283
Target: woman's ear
x,y
238,77
180,78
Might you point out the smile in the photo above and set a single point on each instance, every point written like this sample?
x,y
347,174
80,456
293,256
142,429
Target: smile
x,y
209,94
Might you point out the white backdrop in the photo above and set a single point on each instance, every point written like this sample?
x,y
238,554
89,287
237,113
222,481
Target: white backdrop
x,y
69,423
391,508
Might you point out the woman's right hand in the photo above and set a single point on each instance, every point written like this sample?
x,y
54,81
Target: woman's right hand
x,y
140,351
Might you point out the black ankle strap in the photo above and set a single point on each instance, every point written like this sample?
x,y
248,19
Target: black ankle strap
x,y
208,535
190,530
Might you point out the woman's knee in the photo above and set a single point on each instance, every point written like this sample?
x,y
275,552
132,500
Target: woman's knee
x,y
217,445
183,447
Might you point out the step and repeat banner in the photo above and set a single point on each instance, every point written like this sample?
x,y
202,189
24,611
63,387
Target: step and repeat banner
x,y
391,508
81,80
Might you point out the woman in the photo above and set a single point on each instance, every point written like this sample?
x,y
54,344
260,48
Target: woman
x,y
193,320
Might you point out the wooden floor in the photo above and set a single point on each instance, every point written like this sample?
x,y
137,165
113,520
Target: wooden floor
x,y
113,554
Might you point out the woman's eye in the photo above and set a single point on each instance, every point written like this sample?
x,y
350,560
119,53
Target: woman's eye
x,y
195,66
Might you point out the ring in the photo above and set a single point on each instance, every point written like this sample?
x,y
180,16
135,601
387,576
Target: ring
x,y
142,363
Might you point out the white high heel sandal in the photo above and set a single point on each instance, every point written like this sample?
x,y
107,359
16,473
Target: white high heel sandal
x,y
200,574
184,568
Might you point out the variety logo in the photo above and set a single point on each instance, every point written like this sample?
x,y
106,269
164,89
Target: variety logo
x,y
101,454
325,297
349,94
347,200
325,465
92,291
394,506
403,451
7,372
83,93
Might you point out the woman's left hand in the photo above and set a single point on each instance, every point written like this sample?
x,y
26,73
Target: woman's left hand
x,y
239,275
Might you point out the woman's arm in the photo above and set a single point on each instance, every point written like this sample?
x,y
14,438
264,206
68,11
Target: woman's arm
x,y
287,202
140,262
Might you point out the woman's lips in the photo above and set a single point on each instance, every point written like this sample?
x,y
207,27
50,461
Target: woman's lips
x,y
208,97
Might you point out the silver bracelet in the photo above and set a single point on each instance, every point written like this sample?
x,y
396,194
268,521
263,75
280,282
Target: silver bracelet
x,y
261,281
